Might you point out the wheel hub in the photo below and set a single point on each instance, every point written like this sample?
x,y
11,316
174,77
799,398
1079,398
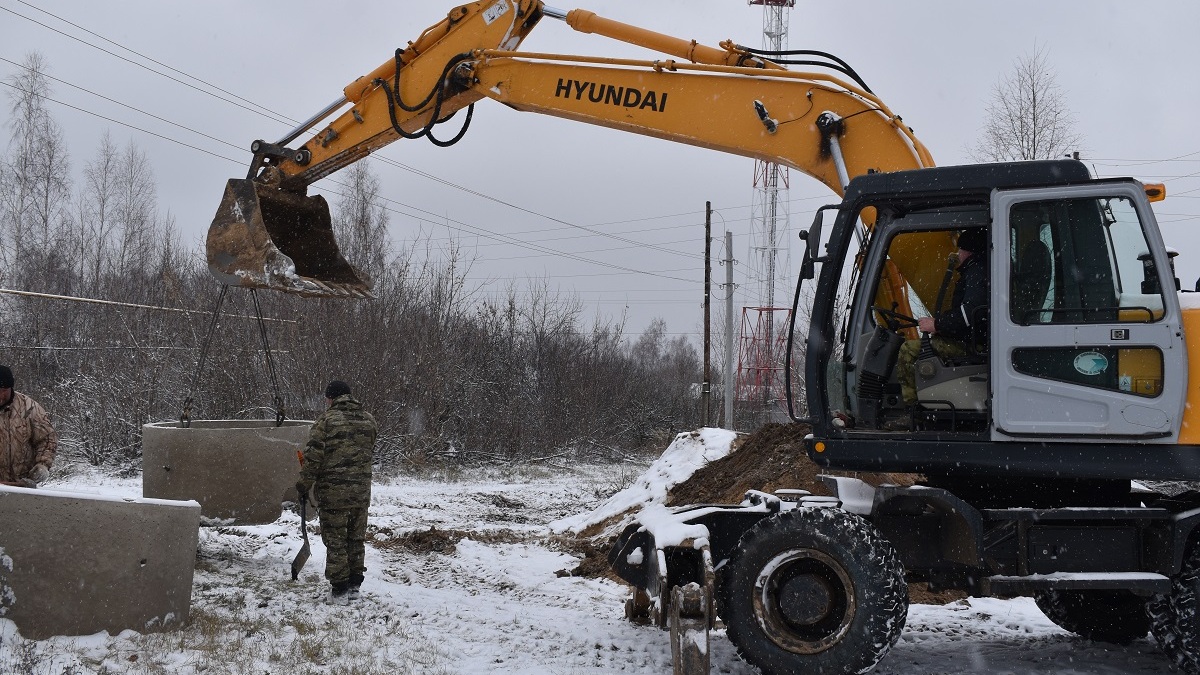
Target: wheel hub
x,y
805,599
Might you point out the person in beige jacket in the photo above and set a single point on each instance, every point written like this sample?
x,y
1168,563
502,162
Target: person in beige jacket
x,y
27,440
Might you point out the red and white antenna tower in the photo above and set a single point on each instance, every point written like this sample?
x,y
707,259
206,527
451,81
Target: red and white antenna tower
x,y
765,319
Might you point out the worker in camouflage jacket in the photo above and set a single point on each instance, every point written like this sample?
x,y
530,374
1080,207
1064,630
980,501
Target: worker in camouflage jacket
x,y
28,442
336,472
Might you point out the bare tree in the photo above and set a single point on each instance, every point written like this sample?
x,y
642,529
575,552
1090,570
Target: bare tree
x,y
1028,117
34,178
135,208
97,206
361,223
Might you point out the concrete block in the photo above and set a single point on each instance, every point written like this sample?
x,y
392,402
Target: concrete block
x,y
73,563
240,471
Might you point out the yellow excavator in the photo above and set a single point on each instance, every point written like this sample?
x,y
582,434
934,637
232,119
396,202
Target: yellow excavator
x,y
1073,381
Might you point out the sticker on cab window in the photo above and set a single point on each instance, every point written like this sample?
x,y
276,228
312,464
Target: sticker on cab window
x,y
1091,363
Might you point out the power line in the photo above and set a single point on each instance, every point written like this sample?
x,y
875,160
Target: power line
x,y
124,105
131,61
160,63
130,126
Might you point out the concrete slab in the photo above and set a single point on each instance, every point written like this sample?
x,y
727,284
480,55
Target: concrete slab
x,y
76,564
240,471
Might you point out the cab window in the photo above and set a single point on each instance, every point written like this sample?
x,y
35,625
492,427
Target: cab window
x,y
1081,261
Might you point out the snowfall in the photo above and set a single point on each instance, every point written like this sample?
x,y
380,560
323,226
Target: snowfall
x,y
495,599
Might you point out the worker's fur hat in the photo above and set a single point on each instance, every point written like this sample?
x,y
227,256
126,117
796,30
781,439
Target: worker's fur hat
x,y
973,240
6,377
336,388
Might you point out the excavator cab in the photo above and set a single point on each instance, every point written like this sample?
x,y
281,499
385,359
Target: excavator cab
x,y
1082,342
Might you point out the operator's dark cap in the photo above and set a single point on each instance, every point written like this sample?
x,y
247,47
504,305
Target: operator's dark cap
x,y
6,377
336,388
973,240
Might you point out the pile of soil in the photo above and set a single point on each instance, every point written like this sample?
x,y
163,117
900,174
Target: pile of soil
x,y
434,540
770,459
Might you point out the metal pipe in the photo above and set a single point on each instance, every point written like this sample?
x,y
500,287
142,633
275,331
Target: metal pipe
x,y
554,12
72,298
312,121
839,161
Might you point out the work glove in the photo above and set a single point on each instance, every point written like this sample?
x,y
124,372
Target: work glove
x,y
39,474
302,489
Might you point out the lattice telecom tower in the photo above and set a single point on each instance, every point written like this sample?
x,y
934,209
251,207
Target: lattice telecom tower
x,y
760,353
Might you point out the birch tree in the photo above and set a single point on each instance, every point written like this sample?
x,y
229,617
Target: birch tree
x,y
34,176
361,223
97,206
135,209
1028,116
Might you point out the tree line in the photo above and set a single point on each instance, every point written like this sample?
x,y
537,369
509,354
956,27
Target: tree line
x,y
450,374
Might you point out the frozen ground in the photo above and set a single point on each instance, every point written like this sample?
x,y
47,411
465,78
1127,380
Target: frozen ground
x,y
489,602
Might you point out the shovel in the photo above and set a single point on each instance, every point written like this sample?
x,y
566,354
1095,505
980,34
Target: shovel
x,y
305,552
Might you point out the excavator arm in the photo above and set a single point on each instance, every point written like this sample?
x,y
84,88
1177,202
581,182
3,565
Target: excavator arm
x,y
269,234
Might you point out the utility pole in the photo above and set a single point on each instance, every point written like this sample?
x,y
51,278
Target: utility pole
x,y
706,388
729,383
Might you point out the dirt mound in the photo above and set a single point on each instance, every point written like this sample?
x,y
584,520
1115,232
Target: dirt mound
x,y
434,540
767,460
770,459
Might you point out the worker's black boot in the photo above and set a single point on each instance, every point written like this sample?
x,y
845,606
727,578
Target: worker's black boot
x,y
339,593
355,581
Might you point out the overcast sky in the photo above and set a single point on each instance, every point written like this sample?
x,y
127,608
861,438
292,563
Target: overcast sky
x,y
1125,68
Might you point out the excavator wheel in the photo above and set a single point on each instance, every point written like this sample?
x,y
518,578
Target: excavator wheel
x,y
1118,617
813,590
1175,616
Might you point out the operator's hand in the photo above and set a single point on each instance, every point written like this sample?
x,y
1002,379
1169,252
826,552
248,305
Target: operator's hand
x,y
927,325
39,474
302,489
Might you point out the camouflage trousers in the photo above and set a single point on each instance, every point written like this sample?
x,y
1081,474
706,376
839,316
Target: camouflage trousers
x,y
344,532
906,371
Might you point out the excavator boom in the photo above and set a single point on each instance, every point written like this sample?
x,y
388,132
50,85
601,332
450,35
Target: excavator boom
x,y
269,234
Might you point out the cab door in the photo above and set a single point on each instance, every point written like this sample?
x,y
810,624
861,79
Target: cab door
x,y
1085,323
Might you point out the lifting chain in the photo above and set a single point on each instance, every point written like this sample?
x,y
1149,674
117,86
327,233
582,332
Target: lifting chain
x,y
185,418
277,401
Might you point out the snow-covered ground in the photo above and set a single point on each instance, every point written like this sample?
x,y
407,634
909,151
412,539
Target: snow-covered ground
x,y
489,602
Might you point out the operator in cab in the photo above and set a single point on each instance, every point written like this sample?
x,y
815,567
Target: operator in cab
x,y
951,330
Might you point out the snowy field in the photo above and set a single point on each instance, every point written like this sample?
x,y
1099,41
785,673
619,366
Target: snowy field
x,y
484,597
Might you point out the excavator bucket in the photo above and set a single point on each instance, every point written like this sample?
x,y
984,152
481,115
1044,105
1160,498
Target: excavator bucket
x,y
263,237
